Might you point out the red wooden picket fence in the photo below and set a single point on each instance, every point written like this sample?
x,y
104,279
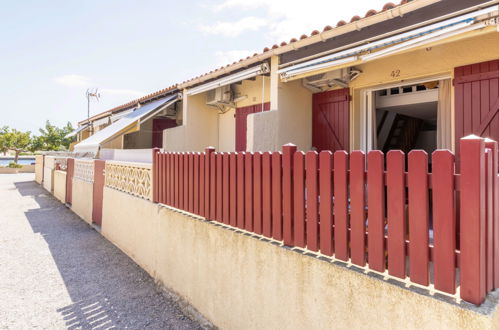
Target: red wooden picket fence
x,y
386,212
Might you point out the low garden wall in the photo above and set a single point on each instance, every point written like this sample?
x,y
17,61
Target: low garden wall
x,y
39,168
82,189
27,169
60,185
242,282
48,170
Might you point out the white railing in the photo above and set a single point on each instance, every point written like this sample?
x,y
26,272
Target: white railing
x,y
132,178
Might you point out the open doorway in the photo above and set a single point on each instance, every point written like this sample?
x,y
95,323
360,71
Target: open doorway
x,y
405,117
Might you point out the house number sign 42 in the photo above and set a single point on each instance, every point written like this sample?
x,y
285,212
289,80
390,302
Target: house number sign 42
x,y
395,73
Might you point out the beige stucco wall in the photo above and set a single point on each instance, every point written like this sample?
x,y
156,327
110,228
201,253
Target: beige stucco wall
x,y
295,115
250,91
262,131
290,123
227,131
199,129
27,169
239,282
60,185
48,171
39,168
82,199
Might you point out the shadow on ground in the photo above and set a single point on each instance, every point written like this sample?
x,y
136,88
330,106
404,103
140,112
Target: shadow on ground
x,y
108,289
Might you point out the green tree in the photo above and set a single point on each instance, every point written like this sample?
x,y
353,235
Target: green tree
x,y
36,144
17,141
3,142
53,138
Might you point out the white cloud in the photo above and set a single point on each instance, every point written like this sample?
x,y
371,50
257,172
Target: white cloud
x,y
73,80
233,29
285,19
230,56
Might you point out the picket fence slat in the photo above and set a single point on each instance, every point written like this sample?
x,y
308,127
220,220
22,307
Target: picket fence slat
x,y
202,183
444,221
176,175
299,199
492,145
257,192
267,194
395,181
376,213
196,183
276,196
248,191
311,197
489,221
186,182
240,190
225,188
325,206
171,192
358,208
341,205
233,189
191,182
418,217
213,186
287,193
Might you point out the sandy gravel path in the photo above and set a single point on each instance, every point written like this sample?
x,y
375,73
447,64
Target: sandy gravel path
x,y
56,272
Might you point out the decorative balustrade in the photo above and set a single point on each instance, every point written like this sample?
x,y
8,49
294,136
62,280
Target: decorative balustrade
x,y
84,170
132,178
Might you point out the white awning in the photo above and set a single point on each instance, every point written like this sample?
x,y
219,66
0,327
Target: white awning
x,y
233,78
119,115
124,125
392,45
76,131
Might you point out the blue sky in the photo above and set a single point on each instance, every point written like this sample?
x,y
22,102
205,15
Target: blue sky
x,y
52,51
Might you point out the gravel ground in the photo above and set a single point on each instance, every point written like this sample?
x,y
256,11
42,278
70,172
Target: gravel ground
x,y
56,272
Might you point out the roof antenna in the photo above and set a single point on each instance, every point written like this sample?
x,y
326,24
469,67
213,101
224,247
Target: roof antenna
x,y
91,94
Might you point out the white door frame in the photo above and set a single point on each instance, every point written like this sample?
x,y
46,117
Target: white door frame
x,y
367,107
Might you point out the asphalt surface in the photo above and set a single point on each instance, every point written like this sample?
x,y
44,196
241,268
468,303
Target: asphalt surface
x,y
56,272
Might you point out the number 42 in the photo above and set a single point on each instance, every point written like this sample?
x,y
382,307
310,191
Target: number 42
x,y
395,73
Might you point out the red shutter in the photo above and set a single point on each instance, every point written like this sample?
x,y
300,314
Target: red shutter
x,y
330,120
158,125
477,100
241,120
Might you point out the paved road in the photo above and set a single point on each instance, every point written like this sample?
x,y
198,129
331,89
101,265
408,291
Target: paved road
x,y
57,273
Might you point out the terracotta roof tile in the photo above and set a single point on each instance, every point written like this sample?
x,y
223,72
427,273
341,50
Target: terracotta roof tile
x,y
389,6
355,18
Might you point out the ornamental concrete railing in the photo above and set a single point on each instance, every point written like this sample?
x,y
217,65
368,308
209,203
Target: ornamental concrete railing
x,y
84,170
133,178
370,210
